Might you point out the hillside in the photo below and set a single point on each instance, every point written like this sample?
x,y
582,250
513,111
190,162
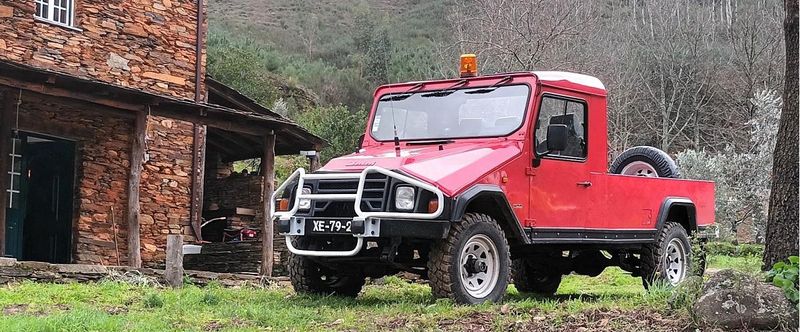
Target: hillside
x,y
340,50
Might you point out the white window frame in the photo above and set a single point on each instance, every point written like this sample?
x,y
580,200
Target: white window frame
x,y
51,15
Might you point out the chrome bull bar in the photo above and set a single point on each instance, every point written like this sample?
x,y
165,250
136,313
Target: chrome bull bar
x,y
301,176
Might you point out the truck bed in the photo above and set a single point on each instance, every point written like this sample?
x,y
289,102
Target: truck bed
x,y
631,202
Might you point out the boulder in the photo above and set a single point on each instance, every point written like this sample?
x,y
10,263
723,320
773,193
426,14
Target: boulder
x,y
736,300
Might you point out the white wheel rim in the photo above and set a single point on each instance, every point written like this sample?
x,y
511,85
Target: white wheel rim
x,y
479,268
675,262
640,168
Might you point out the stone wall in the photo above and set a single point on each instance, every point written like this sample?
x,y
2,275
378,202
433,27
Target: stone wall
x,y
103,141
166,187
229,190
235,191
144,44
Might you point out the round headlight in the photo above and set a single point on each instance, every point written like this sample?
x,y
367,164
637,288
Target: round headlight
x,y
305,203
404,198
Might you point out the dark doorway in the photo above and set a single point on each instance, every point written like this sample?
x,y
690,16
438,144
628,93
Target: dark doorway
x,y
40,228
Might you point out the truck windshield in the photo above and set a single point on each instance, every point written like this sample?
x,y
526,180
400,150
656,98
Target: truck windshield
x,y
445,114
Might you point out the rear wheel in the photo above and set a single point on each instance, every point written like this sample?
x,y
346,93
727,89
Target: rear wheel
x,y
308,276
472,265
645,161
669,259
528,279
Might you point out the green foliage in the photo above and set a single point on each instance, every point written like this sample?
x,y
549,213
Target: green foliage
x,y
724,248
785,275
153,300
337,125
210,299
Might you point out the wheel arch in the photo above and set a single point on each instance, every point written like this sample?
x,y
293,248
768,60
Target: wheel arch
x,y
490,200
678,209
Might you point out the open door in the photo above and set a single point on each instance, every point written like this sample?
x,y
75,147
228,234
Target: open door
x,y
40,220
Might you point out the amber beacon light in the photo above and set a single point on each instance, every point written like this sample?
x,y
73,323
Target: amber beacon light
x,y
469,65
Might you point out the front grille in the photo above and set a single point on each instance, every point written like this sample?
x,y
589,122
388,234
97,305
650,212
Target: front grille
x,y
373,200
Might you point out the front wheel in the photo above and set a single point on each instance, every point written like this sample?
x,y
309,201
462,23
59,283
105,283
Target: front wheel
x,y
668,260
308,276
472,265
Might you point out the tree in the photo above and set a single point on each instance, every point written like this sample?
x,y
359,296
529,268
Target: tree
x,y
781,240
337,125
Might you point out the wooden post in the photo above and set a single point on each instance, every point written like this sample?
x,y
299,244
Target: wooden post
x,y
173,272
6,112
134,181
268,173
313,161
198,177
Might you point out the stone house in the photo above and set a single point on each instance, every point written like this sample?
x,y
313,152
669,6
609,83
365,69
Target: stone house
x,y
112,136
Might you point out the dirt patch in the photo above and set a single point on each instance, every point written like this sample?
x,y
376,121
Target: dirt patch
x,y
393,324
116,310
605,320
591,320
15,309
24,309
476,321
213,326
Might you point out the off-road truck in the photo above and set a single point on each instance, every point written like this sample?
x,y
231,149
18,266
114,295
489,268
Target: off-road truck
x,y
479,181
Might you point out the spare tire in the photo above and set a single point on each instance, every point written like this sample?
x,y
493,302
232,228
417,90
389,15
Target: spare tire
x,y
645,161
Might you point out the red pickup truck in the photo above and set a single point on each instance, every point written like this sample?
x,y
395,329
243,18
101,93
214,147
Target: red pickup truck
x,y
479,181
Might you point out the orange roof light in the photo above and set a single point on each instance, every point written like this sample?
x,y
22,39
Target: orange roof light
x,y
469,65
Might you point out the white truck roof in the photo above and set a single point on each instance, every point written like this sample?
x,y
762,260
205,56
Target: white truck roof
x,y
581,79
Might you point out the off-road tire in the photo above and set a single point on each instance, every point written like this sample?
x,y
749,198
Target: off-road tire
x,y
307,277
528,280
443,263
651,266
663,164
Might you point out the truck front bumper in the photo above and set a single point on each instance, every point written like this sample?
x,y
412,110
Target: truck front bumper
x,y
365,224
361,230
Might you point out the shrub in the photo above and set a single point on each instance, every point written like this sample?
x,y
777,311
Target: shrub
x,y
723,248
784,275
153,301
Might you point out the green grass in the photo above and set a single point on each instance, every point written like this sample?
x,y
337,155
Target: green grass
x,y
113,306
751,264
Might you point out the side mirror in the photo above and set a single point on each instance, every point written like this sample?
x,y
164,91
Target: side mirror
x,y
557,137
360,142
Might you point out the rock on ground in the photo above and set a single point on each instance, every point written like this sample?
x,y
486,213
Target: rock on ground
x,y
736,300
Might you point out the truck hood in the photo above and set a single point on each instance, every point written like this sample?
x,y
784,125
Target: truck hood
x,y
452,169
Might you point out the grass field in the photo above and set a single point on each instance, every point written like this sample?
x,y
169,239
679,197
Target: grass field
x,y
612,301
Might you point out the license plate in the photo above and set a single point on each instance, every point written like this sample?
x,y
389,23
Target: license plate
x,y
331,226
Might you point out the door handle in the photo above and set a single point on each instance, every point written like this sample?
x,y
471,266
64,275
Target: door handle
x,y
585,184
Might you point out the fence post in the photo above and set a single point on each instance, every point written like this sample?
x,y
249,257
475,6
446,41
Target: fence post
x,y
173,272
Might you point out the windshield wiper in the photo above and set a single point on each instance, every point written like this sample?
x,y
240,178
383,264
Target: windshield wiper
x,y
491,88
404,95
431,142
397,97
448,91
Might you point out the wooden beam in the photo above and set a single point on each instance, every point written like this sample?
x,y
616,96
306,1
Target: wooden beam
x,y
268,173
198,179
6,116
134,182
58,92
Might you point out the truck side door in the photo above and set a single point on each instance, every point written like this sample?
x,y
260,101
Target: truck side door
x,y
560,187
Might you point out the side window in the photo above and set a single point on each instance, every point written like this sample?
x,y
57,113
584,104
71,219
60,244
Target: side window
x,y
555,110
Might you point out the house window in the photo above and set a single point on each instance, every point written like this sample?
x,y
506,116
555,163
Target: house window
x,y
57,11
